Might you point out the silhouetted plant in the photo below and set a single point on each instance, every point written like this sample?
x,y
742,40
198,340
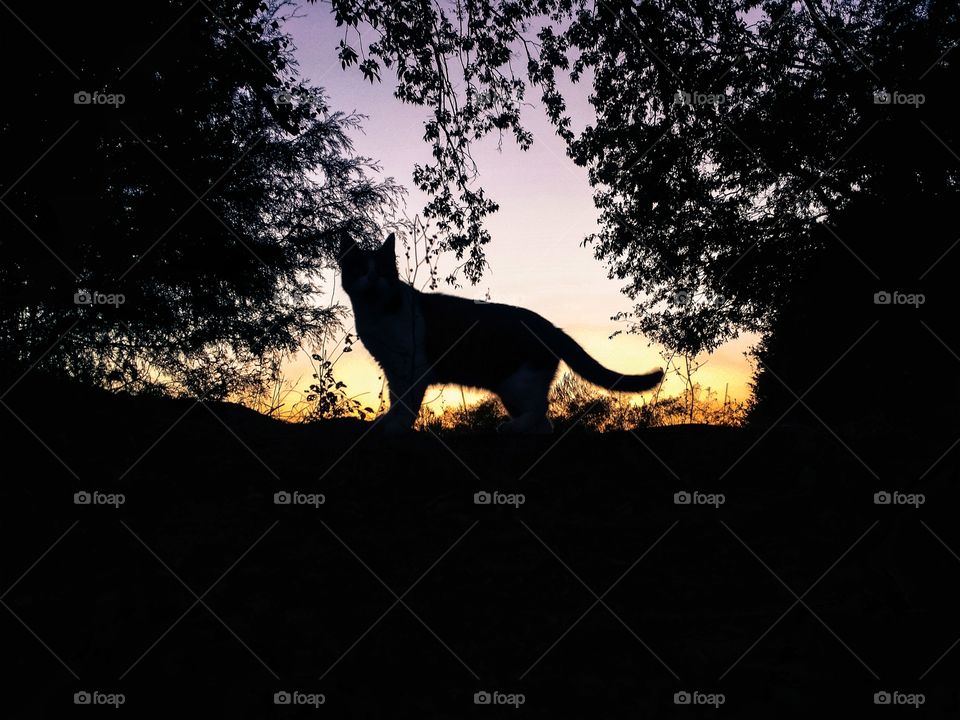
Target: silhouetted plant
x,y
483,416
328,397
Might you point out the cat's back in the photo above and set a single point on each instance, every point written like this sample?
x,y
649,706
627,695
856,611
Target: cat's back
x,y
478,338
451,314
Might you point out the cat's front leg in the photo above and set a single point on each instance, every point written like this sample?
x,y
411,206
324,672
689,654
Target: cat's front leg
x,y
404,407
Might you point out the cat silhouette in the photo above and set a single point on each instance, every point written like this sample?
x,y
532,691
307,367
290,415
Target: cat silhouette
x,y
420,339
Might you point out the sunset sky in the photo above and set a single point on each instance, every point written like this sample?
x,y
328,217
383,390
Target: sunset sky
x,y
546,210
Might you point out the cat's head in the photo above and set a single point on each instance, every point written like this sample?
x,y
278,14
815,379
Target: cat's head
x,y
370,274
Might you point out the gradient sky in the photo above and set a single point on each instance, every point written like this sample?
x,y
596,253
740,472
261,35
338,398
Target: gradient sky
x,y
546,209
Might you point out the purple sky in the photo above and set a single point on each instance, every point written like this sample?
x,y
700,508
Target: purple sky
x,y
546,210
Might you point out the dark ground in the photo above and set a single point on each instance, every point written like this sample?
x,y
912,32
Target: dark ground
x,y
290,594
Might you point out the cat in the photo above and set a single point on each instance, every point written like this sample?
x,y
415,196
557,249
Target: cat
x,y
422,339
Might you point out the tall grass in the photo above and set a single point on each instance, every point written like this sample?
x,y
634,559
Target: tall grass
x,y
575,401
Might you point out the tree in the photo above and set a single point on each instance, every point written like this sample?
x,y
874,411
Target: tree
x,y
742,153
171,193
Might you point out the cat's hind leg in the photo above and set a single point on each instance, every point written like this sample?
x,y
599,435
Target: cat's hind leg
x,y
525,396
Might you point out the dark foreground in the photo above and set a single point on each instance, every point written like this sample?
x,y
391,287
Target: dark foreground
x,y
399,596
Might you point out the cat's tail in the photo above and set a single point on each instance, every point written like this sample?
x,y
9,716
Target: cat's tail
x,y
581,362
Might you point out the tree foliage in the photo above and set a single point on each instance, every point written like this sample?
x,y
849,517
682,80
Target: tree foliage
x,y
728,134
210,198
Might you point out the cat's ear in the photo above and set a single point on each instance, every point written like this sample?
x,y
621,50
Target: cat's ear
x,y
389,247
386,258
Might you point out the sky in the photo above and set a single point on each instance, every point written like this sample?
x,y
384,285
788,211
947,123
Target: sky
x,y
535,256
